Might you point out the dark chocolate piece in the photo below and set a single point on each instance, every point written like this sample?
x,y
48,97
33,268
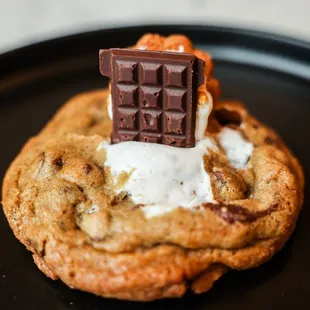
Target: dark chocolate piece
x,y
154,95
234,213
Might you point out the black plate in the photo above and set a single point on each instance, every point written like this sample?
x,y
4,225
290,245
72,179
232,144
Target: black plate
x,y
270,73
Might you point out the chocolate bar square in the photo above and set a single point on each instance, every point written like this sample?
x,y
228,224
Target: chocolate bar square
x,y
154,95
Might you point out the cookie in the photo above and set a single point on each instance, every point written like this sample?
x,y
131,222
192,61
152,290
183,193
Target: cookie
x,y
64,202
56,202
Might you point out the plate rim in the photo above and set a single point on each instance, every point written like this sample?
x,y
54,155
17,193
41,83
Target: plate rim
x,y
261,34
271,37
285,54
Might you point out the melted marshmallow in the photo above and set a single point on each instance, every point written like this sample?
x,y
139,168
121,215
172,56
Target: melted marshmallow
x,y
109,106
161,177
237,149
204,108
180,49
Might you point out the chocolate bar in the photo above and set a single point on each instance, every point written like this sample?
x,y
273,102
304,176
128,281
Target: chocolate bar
x,y
154,95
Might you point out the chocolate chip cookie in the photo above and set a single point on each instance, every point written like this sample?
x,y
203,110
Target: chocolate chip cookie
x,y
69,204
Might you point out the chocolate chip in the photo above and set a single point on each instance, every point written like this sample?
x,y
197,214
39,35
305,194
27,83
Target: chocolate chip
x,y
92,123
81,189
97,239
234,213
58,162
269,140
219,175
226,117
88,168
41,253
43,157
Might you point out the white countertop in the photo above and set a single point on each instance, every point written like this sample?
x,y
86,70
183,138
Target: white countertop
x,y
27,21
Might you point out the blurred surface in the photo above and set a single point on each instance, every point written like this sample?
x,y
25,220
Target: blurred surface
x,y
27,21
